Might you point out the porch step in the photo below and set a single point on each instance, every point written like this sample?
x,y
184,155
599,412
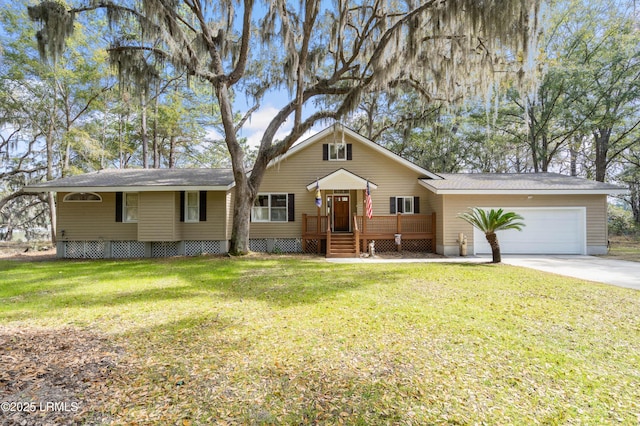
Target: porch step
x,y
342,245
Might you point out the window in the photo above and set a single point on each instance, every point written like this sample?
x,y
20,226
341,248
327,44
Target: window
x,y
192,206
279,207
130,206
406,205
82,196
337,151
270,208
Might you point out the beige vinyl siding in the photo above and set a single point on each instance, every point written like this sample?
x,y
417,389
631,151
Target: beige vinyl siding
x,y
91,221
157,216
438,208
451,205
214,228
229,205
293,174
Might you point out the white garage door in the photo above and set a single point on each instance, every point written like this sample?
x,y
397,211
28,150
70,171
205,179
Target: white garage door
x,y
551,230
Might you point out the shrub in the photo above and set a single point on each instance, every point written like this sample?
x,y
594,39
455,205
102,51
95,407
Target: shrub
x,y
621,222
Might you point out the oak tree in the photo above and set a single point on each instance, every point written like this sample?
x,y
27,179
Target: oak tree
x,y
325,55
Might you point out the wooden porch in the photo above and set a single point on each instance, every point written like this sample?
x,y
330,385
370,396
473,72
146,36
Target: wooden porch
x,y
417,233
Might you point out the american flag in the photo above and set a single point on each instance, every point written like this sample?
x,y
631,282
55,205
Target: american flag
x,y
367,200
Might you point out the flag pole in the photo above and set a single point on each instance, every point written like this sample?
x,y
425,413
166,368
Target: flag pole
x,y
318,204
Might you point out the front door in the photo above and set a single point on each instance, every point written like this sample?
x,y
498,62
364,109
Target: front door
x,y
341,213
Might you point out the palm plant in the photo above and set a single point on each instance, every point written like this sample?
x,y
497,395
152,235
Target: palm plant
x,y
491,221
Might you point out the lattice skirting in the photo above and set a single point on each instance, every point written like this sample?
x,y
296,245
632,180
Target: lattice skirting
x,y
84,249
127,249
276,245
382,246
258,245
196,248
425,246
287,245
312,246
137,249
164,249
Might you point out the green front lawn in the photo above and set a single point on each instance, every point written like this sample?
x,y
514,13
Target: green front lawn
x,y
624,248
277,340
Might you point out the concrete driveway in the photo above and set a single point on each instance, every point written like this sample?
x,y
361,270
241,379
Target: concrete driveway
x,y
609,271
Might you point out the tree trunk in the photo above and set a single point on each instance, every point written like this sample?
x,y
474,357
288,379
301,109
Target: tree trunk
x,y
122,125
601,139
492,239
143,130
50,196
573,155
156,151
172,152
634,190
245,192
533,143
239,244
53,217
544,156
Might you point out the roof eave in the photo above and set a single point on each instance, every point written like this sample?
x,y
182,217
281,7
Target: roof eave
x,y
134,188
525,191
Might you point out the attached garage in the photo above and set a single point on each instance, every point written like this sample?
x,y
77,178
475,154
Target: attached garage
x,y
553,230
563,214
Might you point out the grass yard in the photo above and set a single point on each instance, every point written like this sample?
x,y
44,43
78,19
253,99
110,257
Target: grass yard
x,y
296,340
624,248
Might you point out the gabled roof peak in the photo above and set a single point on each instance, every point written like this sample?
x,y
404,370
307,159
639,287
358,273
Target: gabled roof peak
x,y
347,132
341,179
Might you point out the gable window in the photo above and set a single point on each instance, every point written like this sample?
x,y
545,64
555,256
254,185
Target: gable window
x,y
130,206
405,205
337,152
273,208
192,206
82,196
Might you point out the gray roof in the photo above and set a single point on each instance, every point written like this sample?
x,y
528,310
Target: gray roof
x,y
512,183
222,179
141,180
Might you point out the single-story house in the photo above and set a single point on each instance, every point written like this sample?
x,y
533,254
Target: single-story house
x,y
314,199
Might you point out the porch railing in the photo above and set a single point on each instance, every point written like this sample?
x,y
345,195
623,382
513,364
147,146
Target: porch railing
x,y
356,235
391,224
314,224
410,226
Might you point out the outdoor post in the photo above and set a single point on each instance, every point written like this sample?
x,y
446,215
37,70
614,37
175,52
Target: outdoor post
x,y
319,230
433,231
304,232
399,231
364,221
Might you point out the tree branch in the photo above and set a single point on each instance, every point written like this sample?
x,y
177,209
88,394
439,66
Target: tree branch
x,y
17,194
245,41
246,117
